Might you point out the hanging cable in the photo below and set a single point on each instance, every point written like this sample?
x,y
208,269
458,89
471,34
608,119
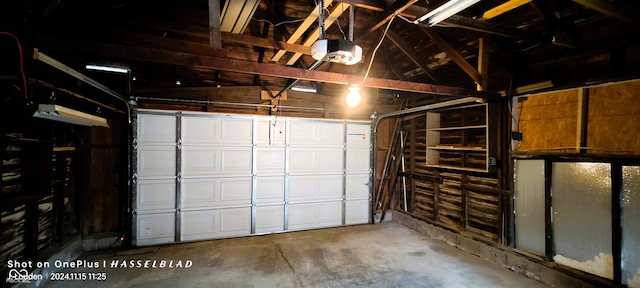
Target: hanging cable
x,y
375,50
24,79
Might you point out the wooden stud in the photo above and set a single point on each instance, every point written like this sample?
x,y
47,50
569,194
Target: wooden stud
x,y
583,120
483,63
214,24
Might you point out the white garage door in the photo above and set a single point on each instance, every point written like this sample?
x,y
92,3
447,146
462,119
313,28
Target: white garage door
x,y
206,176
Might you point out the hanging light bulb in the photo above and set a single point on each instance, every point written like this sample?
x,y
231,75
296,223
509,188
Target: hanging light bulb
x,y
353,98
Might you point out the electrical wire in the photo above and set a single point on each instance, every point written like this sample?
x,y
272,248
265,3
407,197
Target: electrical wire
x,y
278,24
375,50
338,22
24,79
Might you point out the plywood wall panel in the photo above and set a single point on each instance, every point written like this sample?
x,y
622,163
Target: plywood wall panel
x,y
614,114
548,121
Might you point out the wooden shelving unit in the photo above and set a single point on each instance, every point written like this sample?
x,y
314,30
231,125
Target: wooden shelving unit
x,y
25,229
459,138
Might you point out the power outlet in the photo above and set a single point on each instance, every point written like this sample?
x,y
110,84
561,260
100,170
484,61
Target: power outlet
x,y
516,136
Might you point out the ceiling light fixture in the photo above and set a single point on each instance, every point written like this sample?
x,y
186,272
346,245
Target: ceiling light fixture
x,y
304,89
67,115
353,98
236,14
107,68
445,11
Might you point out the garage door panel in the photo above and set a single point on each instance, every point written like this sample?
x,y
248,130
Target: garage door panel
x,y
216,131
357,212
198,161
357,186
270,190
270,160
313,188
236,161
155,229
236,131
358,160
315,215
358,135
236,171
210,224
156,129
156,194
316,134
316,160
269,219
156,161
267,130
199,130
216,192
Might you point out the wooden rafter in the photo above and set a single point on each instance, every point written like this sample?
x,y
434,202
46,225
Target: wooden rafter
x,y
200,32
340,8
410,53
224,64
304,26
612,9
494,28
214,24
265,34
147,40
503,8
391,68
453,54
395,9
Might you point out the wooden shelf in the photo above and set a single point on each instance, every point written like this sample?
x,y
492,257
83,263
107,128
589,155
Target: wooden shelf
x,y
458,168
458,128
459,148
458,138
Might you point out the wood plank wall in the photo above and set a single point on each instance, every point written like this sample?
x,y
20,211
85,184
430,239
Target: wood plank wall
x,y
470,203
101,181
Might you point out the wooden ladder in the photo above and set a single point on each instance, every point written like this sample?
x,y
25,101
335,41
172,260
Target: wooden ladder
x,y
392,162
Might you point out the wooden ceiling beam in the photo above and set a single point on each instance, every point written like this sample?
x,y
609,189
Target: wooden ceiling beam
x,y
453,54
626,14
264,43
393,10
410,53
214,24
157,42
411,12
200,32
493,28
316,34
503,8
304,26
390,67
224,64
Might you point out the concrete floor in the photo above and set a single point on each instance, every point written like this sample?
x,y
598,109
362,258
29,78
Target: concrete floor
x,y
381,255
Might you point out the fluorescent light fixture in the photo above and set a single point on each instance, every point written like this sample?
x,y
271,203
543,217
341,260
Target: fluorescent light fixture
x,y
67,115
107,68
304,89
236,14
445,11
